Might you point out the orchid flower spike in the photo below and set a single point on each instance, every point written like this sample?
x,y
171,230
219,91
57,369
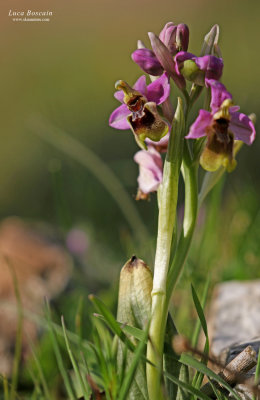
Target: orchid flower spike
x,y
223,126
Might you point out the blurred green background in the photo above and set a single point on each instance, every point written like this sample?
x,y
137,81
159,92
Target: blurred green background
x,y
63,72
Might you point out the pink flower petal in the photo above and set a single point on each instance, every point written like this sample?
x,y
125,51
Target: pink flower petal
x,y
213,66
198,128
118,118
147,61
119,95
159,90
160,146
219,93
150,170
180,58
140,85
242,127
234,108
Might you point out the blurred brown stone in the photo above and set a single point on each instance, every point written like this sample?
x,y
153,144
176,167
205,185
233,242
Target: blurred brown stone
x,y
42,269
233,325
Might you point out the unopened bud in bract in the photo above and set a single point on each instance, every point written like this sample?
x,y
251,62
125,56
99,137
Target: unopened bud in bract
x,y
175,37
134,308
198,69
134,300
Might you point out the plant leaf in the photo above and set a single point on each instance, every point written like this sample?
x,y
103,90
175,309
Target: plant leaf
x,y
111,321
187,387
129,377
199,311
195,336
198,378
130,330
58,356
74,364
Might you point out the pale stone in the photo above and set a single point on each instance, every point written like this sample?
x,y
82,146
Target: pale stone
x,y
234,314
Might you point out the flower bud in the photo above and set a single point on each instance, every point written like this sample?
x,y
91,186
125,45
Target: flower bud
x,y
192,73
165,58
140,44
134,308
198,69
168,37
134,299
210,41
175,37
147,61
182,37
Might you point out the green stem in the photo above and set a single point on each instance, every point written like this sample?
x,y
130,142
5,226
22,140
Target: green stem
x,y
166,223
189,171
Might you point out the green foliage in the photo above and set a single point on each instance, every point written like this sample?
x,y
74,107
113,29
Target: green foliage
x,y
94,364
201,367
198,377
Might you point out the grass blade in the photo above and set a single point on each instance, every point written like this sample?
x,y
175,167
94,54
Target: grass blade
x,y
73,337
257,372
184,377
6,390
58,356
79,317
130,330
200,312
217,393
73,362
195,336
187,387
40,372
137,356
198,378
111,321
199,366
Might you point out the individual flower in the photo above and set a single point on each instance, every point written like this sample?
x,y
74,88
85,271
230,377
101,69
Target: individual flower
x,y
150,172
198,69
172,39
222,126
139,111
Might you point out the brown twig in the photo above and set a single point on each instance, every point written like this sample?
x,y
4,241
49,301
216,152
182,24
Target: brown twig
x,y
235,371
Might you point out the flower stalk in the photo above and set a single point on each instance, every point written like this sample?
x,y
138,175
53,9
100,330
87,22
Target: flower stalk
x,y
190,176
166,222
